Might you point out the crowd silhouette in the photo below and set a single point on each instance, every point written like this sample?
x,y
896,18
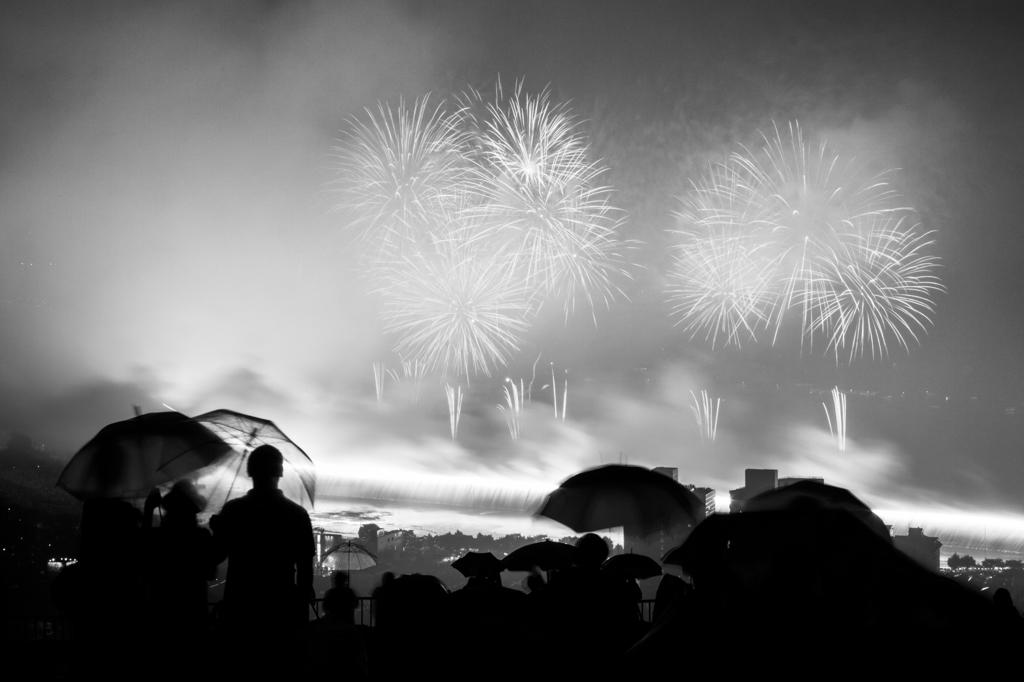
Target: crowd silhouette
x,y
820,590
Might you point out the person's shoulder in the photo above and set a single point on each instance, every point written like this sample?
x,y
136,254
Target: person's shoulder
x,y
293,508
235,505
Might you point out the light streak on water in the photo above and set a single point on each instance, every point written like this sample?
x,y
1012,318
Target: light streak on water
x,y
983,531
450,491
469,497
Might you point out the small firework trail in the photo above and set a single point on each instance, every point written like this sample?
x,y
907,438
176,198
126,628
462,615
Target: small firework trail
x,y
565,394
705,412
379,373
454,407
414,370
513,408
838,429
533,377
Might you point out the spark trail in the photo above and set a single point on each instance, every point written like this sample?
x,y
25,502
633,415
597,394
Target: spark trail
x,y
705,412
837,420
513,408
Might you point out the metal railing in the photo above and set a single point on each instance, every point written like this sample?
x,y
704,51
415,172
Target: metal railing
x,y
363,615
58,628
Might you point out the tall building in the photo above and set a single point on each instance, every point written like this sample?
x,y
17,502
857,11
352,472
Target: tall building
x,y
324,540
790,480
705,495
658,544
671,472
392,541
755,481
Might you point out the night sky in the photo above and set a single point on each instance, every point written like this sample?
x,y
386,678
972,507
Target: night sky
x,y
167,235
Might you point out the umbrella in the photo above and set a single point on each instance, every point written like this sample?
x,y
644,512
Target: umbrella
x,y
348,556
475,564
636,566
621,495
710,537
815,495
244,434
545,555
124,458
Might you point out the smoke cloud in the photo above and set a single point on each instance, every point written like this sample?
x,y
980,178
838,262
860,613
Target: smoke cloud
x,y
166,239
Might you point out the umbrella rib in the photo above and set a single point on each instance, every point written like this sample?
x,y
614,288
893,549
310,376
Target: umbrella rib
x,y
238,472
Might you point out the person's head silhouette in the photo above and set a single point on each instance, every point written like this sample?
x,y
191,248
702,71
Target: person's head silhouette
x,y
591,551
182,504
265,466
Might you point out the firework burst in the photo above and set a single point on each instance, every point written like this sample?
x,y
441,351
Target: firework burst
x,y
455,309
469,218
397,172
797,228
537,190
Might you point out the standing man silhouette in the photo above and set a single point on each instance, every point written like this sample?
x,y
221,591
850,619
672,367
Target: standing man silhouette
x,y
268,542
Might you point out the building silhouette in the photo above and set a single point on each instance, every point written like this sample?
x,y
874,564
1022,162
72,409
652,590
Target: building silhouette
x,y
924,549
657,544
757,481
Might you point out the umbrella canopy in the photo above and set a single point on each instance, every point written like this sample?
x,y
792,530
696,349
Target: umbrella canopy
x,y
621,495
545,555
475,564
708,540
244,433
348,556
816,495
636,566
124,458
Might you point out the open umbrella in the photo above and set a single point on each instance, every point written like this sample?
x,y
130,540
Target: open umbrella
x,y
707,542
636,566
124,459
621,495
816,495
348,556
545,555
227,478
477,564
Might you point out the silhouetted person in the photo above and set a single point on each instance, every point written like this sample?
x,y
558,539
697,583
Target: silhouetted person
x,y
334,635
101,592
268,541
670,589
481,618
586,611
406,621
1012,625
179,560
535,583
343,598
1004,602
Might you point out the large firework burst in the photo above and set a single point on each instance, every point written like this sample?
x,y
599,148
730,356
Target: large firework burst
x,y
454,308
797,228
398,172
539,196
469,218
